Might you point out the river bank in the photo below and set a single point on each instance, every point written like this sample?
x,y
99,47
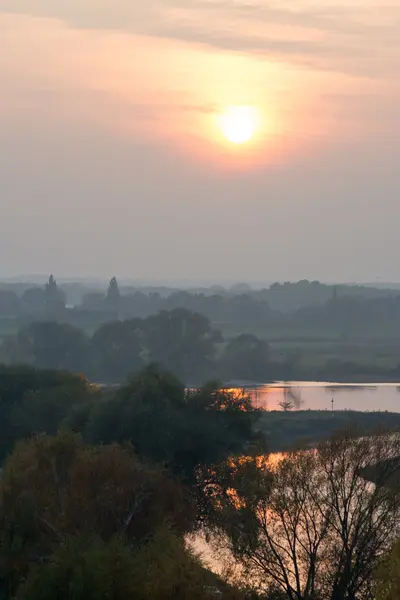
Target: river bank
x,y
304,429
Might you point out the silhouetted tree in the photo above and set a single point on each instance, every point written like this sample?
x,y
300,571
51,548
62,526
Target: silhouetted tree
x,y
54,297
34,401
286,405
247,357
311,525
182,342
173,427
118,350
51,345
113,296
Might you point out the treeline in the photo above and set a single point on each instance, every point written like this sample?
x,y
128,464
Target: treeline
x,y
180,341
347,310
100,492
32,301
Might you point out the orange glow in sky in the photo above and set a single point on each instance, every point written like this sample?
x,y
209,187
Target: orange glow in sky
x,y
213,107
167,123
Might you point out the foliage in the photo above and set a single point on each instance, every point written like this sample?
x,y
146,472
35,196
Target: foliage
x,y
108,521
310,525
83,569
33,401
166,570
82,522
117,350
388,575
54,298
51,345
246,357
112,299
177,428
296,319
55,488
180,341
90,569
302,331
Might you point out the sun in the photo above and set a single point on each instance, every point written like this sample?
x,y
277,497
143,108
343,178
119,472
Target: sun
x,y
238,124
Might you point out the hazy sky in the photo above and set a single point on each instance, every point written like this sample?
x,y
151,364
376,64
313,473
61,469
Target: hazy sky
x,y
112,160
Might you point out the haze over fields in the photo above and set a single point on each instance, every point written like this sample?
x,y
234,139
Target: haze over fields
x,y
113,158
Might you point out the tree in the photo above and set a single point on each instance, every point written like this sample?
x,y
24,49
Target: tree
x,y
166,570
53,296
113,296
82,523
182,342
51,345
117,350
311,525
291,364
246,309
286,405
247,357
48,410
388,575
179,429
143,411
34,401
52,489
87,568
83,568
290,400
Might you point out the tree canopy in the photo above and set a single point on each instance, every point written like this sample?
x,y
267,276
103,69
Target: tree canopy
x,y
56,492
309,525
34,401
178,428
388,575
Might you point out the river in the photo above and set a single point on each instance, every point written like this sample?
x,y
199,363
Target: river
x,y
313,395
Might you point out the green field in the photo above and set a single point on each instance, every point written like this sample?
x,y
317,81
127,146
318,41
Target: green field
x,y
315,348
288,430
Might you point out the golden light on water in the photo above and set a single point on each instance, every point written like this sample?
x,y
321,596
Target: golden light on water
x,y
239,124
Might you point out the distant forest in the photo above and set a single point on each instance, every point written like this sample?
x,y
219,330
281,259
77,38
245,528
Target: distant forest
x,y
313,304
304,330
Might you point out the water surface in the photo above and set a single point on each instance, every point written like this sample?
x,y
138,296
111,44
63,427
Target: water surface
x,y
323,396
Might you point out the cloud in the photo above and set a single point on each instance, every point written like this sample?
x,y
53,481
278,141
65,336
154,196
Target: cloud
x,y
341,37
128,15
342,56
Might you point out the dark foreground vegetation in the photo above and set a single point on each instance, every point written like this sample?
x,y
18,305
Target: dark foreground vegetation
x,y
303,331
101,489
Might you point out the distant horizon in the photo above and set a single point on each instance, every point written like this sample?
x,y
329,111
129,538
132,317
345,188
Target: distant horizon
x,y
189,283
